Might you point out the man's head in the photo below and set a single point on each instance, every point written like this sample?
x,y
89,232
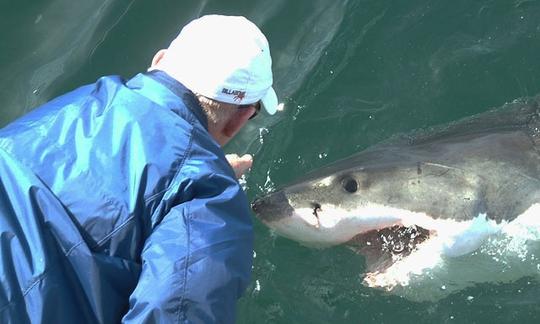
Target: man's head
x,y
225,61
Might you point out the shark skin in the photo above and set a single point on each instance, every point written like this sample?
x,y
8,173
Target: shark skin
x,y
415,203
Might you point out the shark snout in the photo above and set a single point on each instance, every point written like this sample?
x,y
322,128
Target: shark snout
x,y
257,205
272,207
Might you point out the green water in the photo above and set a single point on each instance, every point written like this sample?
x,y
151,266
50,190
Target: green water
x,y
351,73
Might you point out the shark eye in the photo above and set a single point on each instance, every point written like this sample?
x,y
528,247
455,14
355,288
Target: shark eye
x,y
350,184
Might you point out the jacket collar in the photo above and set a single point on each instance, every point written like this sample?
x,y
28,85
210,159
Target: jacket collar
x,y
180,91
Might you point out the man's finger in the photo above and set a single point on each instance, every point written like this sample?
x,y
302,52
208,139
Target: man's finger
x,y
240,164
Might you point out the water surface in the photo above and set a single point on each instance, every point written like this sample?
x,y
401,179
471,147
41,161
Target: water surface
x,y
351,73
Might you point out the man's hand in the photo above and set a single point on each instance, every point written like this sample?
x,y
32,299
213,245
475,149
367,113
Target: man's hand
x,y
240,164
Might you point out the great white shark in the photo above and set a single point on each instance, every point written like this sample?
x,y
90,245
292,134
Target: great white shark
x,y
416,200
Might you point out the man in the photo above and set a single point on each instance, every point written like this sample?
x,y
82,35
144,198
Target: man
x,y
117,201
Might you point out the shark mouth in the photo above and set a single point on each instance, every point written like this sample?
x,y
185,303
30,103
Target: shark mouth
x,y
400,246
384,249
396,253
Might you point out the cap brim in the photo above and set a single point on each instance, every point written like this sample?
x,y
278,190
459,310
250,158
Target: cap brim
x,y
270,101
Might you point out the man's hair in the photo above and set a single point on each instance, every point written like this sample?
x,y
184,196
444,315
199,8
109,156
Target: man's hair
x,y
216,111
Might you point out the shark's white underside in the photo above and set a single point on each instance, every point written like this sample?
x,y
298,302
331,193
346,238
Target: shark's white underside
x,y
456,254
464,254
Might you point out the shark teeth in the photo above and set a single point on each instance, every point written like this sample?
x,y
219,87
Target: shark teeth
x,y
426,249
399,272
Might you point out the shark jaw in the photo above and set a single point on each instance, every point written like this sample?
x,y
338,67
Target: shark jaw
x,y
397,244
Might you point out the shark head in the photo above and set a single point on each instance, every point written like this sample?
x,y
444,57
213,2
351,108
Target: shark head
x,y
355,196
325,210
400,206
408,203
387,211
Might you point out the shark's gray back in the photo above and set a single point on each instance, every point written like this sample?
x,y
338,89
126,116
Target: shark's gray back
x,y
496,154
488,163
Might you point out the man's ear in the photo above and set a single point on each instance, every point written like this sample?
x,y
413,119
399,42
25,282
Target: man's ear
x,y
157,57
237,121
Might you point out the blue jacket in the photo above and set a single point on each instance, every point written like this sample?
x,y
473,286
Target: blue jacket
x,y
117,205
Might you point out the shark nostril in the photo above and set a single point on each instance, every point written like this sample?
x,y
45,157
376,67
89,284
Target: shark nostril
x,y
256,204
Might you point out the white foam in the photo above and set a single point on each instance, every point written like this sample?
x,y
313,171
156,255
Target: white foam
x,y
465,237
464,253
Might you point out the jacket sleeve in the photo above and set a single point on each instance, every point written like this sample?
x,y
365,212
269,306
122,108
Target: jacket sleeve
x,y
197,262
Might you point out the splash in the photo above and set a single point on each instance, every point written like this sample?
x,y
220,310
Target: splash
x,y
463,254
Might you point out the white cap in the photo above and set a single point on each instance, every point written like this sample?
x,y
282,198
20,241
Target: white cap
x,y
226,58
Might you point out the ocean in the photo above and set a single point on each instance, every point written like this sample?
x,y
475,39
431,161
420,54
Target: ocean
x,y
351,73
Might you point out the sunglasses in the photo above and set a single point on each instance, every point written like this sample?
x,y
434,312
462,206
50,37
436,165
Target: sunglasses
x,y
256,105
